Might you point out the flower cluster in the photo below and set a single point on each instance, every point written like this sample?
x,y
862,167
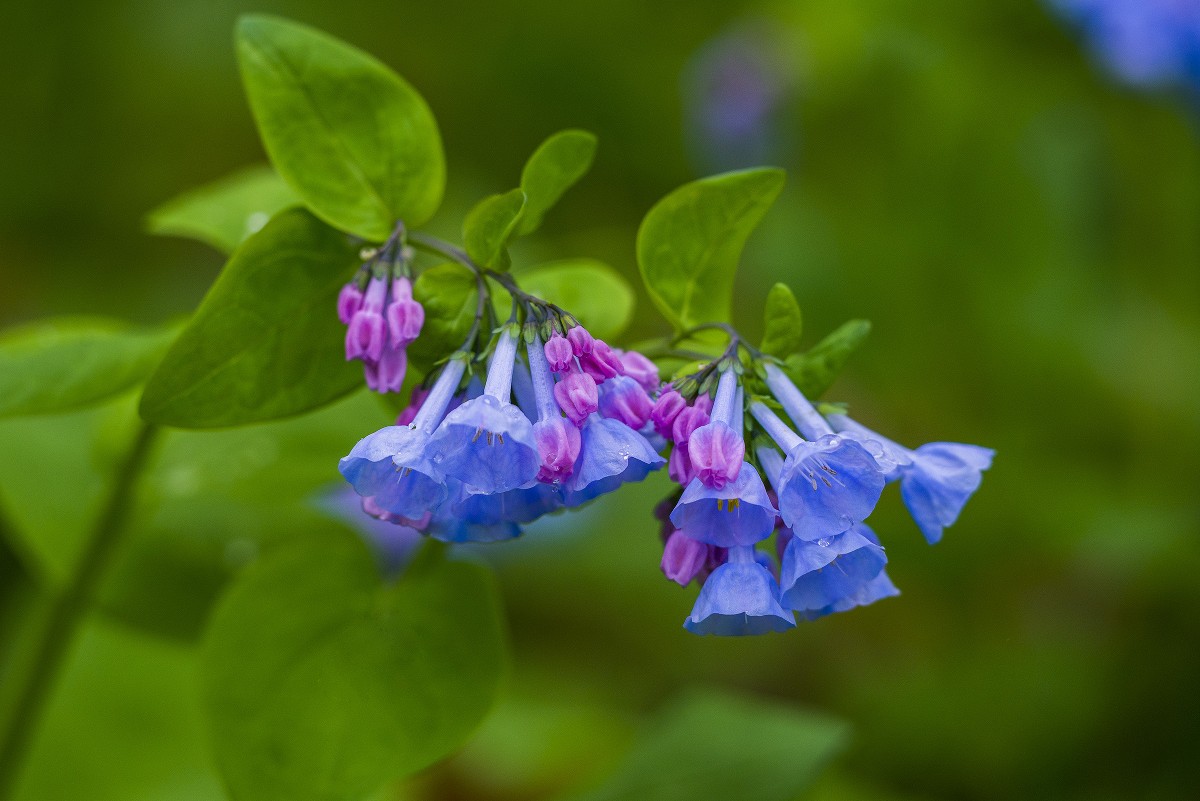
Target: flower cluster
x,y
827,474
382,319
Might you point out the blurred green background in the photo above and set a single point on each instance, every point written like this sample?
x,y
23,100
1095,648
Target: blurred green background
x,y
1023,233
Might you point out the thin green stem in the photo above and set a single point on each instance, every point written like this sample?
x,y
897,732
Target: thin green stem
x,y
67,613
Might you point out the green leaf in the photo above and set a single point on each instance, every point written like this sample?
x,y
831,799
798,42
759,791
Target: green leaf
x,y
224,212
689,244
712,746
63,364
782,322
815,371
490,225
266,341
594,292
449,294
553,168
354,140
321,682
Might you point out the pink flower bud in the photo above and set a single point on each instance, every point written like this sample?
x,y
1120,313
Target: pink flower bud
x,y
704,403
640,369
577,396
668,406
558,443
387,374
683,558
366,336
679,465
717,452
559,353
686,422
623,399
349,301
405,318
581,341
602,363
409,412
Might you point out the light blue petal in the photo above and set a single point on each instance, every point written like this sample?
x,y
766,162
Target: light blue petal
x,y
521,505
610,454
391,467
487,444
817,574
940,480
827,486
740,513
449,525
877,588
739,598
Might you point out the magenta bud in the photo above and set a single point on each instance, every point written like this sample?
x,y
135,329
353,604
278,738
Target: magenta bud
x,y
405,318
581,341
559,353
683,558
577,396
409,412
717,452
640,369
668,406
387,374
602,363
558,444
679,465
349,301
366,335
686,422
704,403
624,399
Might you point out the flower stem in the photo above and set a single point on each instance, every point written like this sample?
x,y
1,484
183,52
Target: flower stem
x,y
66,614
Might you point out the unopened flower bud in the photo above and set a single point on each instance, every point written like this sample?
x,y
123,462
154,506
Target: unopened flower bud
x,y
558,444
559,353
668,406
717,453
350,300
640,369
623,399
683,558
581,341
602,363
577,396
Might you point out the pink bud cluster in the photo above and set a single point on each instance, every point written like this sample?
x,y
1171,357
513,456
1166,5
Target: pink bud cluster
x,y
583,364
381,323
675,420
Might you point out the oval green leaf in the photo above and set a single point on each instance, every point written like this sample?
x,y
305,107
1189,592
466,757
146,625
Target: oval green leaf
x,y
595,293
357,143
321,682
450,297
63,364
689,244
815,370
554,167
223,213
782,323
266,341
490,225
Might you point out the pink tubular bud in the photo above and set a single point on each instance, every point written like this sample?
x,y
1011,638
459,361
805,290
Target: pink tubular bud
x,y
387,374
640,369
577,396
581,341
679,465
409,412
350,300
686,422
717,452
602,363
668,406
558,444
624,399
559,353
683,558
704,403
405,318
366,336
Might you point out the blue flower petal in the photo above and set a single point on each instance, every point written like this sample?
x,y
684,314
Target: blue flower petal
x,y
817,574
739,598
521,505
740,513
610,454
390,465
877,588
486,444
827,486
940,480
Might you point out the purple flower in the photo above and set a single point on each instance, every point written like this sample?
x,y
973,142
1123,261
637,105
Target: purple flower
x,y
387,374
622,398
366,334
683,558
640,369
740,597
558,443
350,300
404,315
581,341
559,354
936,480
687,421
667,407
601,363
577,396
716,449
488,443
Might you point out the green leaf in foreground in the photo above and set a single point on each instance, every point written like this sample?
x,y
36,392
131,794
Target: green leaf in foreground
x,y
553,168
689,244
716,747
321,682
815,371
226,211
782,322
266,341
450,297
354,140
63,364
594,292
490,225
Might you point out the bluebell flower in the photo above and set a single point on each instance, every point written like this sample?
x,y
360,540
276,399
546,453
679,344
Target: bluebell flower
x,y
448,524
488,443
936,479
739,597
520,505
826,486
874,590
610,454
393,466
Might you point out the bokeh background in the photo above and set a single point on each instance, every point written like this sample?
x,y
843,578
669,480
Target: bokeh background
x,y
1020,222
